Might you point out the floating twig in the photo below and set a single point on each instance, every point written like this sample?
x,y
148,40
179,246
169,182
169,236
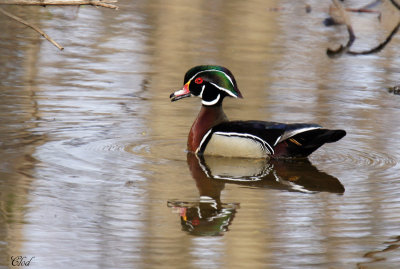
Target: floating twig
x,y
362,10
367,8
37,29
373,4
336,19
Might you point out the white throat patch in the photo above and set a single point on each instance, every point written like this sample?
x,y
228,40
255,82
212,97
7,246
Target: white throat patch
x,y
211,103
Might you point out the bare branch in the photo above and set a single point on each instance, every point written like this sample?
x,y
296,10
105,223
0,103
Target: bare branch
x,y
37,29
99,3
105,3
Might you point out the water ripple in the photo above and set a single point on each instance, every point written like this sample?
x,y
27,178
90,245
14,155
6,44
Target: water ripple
x,y
172,149
156,150
355,158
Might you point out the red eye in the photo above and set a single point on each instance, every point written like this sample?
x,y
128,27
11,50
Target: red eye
x,y
198,80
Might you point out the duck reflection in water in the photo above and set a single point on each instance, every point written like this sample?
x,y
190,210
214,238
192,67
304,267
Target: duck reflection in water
x,y
209,216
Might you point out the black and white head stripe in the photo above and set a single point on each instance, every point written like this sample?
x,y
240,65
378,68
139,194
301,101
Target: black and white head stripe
x,y
215,85
223,89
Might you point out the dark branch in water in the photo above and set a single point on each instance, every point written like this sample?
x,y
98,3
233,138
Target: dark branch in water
x,y
343,49
346,49
380,46
367,8
342,16
394,3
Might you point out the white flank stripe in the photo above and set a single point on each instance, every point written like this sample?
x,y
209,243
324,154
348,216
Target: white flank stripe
x,y
202,140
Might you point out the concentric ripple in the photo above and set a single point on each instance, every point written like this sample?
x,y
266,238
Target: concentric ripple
x,y
355,158
174,149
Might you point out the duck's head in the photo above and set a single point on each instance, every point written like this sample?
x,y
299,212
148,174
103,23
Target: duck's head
x,y
209,82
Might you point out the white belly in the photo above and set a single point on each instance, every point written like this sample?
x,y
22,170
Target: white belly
x,y
235,146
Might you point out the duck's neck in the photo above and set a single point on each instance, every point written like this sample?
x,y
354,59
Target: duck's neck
x,y
208,117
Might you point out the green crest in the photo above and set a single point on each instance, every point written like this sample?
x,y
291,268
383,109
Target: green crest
x,y
219,76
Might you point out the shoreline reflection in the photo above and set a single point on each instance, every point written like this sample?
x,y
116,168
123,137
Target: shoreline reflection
x,y
209,216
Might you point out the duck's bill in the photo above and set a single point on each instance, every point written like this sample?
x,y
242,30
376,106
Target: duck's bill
x,y
183,93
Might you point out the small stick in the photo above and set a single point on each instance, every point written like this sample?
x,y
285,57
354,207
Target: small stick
x,y
101,4
367,8
105,3
372,5
37,29
362,10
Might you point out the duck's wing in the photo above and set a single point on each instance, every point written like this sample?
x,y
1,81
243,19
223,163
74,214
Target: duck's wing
x,y
249,137
263,138
300,140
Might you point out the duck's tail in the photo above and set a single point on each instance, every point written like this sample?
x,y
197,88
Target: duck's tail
x,y
305,143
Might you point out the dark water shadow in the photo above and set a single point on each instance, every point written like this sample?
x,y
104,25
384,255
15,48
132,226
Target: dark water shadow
x,y
285,174
210,216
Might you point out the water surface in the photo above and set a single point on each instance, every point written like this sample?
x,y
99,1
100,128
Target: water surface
x,y
94,172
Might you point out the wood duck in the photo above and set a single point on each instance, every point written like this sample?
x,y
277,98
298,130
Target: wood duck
x,y
213,134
